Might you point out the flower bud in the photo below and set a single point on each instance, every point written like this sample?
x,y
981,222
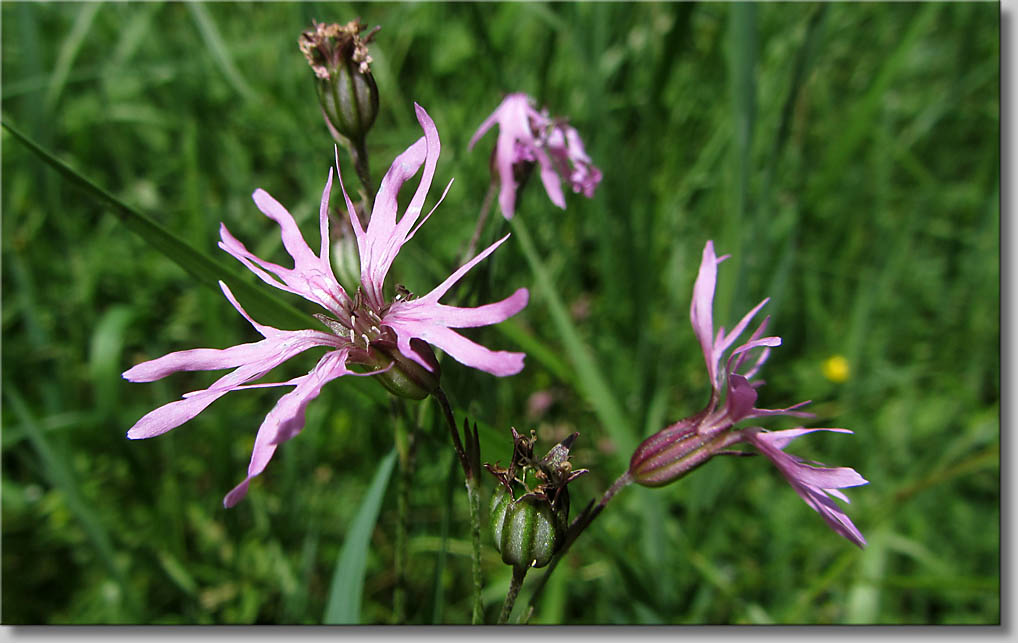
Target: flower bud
x,y
347,92
527,531
403,376
674,451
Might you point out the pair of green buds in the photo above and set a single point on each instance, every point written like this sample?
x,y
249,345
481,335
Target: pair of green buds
x,y
530,508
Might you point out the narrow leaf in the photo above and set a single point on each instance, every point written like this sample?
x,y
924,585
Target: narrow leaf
x,y
263,306
344,603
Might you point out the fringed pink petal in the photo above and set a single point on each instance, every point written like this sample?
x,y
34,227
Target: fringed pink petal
x,y
287,418
262,357
463,350
439,291
255,264
812,484
292,238
416,205
701,310
550,179
729,339
323,225
380,241
425,312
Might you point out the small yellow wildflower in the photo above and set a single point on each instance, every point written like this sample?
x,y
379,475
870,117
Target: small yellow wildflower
x,y
836,368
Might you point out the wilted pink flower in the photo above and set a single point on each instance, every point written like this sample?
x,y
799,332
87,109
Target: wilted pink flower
x,y
677,449
527,136
814,485
366,328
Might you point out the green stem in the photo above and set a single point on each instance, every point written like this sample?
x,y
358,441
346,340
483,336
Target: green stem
x,y
359,152
406,448
577,527
454,433
473,497
481,220
519,573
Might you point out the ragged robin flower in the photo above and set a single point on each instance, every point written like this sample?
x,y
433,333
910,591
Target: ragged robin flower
x,y
391,339
677,449
527,136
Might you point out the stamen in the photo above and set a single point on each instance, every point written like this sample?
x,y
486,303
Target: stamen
x,y
333,325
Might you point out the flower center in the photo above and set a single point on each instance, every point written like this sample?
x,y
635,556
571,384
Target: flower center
x,y
361,326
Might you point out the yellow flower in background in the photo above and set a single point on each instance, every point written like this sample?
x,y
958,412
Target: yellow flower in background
x,y
836,368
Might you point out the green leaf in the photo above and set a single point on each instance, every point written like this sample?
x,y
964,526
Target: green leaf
x,y
263,306
344,603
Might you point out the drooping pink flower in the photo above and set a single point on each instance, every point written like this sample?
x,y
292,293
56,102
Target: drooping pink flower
x,y
527,136
679,448
366,328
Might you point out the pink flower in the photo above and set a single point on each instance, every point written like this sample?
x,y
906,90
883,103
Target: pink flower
x,y
366,328
677,449
527,136
814,485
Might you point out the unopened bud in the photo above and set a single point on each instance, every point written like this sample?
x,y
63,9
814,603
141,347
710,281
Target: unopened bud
x,y
403,376
347,92
674,451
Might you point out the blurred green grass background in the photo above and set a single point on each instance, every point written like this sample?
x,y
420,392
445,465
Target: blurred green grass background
x,y
846,155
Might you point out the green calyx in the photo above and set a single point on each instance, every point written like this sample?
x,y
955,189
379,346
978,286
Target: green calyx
x,y
402,376
530,507
527,532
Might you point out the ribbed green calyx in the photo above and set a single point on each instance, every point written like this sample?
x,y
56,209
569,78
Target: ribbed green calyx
x,y
527,531
530,506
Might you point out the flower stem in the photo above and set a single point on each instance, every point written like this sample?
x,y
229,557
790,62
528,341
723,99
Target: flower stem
x,y
519,573
481,220
580,523
454,433
359,152
474,495
473,498
406,443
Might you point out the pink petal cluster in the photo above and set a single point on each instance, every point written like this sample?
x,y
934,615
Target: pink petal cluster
x,y
731,379
677,449
360,323
814,484
527,136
